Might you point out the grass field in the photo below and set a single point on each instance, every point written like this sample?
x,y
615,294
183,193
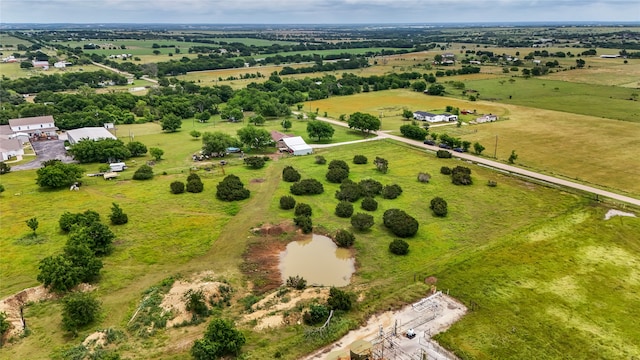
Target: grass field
x,y
521,258
13,70
557,143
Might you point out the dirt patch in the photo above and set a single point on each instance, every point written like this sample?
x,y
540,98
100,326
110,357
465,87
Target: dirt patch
x,y
256,181
174,301
14,304
262,257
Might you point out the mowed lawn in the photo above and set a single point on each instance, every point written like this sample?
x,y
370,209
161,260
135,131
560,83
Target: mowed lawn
x,y
501,248
578,147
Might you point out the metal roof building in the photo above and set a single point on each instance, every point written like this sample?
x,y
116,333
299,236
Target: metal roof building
x,y
91,133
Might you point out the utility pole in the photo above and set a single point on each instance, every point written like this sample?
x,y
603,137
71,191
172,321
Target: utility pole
x,y
495,149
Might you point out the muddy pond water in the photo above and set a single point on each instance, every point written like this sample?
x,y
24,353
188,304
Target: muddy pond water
x,y
318,260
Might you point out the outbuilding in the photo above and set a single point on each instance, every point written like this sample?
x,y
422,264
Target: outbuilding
x,y
297,146
89,133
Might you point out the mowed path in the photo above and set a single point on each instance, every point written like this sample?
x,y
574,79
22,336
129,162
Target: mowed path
x,y
500,166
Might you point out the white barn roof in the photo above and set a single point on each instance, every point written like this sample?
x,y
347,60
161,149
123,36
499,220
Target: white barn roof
x,y
91,133
297,145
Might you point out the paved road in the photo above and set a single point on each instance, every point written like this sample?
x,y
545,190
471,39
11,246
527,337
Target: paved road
x,y
45,150
505,167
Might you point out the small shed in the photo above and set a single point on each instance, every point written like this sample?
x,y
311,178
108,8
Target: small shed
x,y
297,146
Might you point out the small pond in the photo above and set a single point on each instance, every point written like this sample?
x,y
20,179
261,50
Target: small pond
x,y
318,260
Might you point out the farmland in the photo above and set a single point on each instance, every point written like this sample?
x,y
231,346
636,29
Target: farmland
x,y
543,273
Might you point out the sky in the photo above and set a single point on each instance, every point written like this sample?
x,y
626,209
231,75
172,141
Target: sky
x,y
315,11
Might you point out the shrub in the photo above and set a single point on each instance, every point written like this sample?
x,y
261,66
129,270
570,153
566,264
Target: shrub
x,y
177,187
67,220
118,217
316,314
339,164
391,191
349,191
195,186
287,202
370,187
439,206
492,183
461,175
303,209
136,148
443,154
297,282
337,175
361,221
304,222
144,172
400,223
344,238
381,164
193,176
340,299
307,187
369,204
344,209
79,309
231,189
254,162
424,177
320,160
360,159
399,247
220,340
445,170
194,303
414,132
289,174
4,168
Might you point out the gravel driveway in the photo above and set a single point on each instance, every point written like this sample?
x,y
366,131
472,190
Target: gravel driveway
x,y
45,150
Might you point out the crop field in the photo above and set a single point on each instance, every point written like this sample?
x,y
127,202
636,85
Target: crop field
x,y
480,262
604,72
556,143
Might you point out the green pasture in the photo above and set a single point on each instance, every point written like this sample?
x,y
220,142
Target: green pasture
x,y
253,41
13,70
11,40
513,249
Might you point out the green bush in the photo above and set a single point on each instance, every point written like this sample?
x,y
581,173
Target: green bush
x,y
400,223
414,132
341,164
369,204
344,209
336,175
370,187
391,191
344,238
360,159
349,191
445,170
254,162
287,202
439,206
307,187
177,187
304,222
231,189
316,314
193,176
144,172
78,310
443,154
399,247
118,217
461,175
297,282
289,174
195,186
340,299
361,221
67,220
303,209
220,340
320,160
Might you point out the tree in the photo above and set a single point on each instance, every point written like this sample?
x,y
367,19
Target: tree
x,y
231,189
513,157
344,209
136,148
78,310
304,222
5,325
26,65
381,164
320,129
257,120
4,168
419,86
289,174
33,224
216,143
118,217
363,122
58,273
399,247
286,124
255,137
369,204
337,175
344,238
97,236
407,114
316,314
195,185
287,202
370,187
307,187
478,148
436,89
144,172
1,188
255,162
439,206
177,187
414,132
340,299
103,150
195,303
195,134
391,191
320,160
156,153
303,209
68,220
349,191
56,174
400,223
203,117
461,175
360,159
361,221
171,123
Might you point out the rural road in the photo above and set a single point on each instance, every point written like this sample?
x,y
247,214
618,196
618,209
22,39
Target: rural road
x,y
503,167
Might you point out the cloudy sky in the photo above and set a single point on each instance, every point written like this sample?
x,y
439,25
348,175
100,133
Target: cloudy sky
x,y
314,11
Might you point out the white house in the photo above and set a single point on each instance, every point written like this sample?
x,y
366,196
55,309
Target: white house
x,y
38,127
10,148
433,118
88,133
486,118
297,146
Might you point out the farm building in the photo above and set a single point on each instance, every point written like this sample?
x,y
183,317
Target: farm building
x,y
486,118
90,133
37,128
10,148
430,117
297,146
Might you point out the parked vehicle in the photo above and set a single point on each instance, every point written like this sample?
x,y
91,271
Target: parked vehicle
x,y
445,146
429,142
117,166
460,150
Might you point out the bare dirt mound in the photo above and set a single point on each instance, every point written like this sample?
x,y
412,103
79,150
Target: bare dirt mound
x,y
13,305
174,300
